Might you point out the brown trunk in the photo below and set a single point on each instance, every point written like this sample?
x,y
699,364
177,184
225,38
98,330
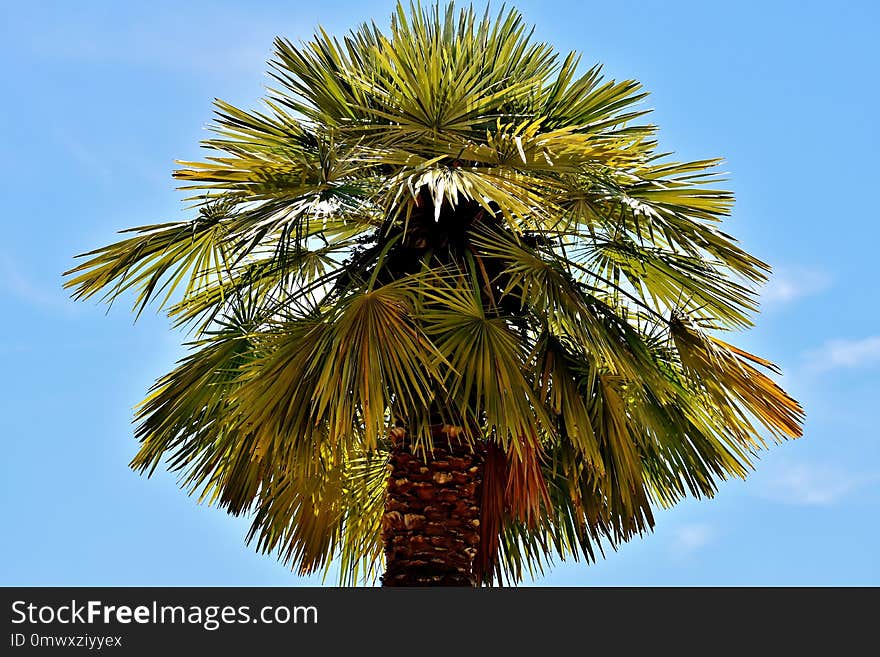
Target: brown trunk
x,y
431,525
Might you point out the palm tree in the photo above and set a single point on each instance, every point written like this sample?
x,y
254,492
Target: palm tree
x,y
449,306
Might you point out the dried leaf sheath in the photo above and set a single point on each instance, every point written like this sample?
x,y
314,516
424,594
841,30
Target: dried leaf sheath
x,y
431,524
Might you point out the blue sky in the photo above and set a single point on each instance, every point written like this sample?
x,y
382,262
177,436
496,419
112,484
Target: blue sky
x,y
99,98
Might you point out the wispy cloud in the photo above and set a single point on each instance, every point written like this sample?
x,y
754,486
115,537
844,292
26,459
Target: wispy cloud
x,y
805,484
85,158
15,283
789,284
690,538
844,353
223,46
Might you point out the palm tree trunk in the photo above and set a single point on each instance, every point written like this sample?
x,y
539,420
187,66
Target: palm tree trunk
x,y
431,524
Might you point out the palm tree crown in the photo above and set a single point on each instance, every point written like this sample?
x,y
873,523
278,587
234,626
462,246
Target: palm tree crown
x,y
447,224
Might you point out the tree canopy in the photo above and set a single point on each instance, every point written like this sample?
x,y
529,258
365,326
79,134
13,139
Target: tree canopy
x,y
447,219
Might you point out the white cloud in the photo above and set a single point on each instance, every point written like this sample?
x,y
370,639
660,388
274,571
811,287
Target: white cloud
x,y
842,353
688,539
15,283
790,284
221,45
811,485
87,160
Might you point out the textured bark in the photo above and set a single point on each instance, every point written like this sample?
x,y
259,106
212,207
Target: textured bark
x,y
431,524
